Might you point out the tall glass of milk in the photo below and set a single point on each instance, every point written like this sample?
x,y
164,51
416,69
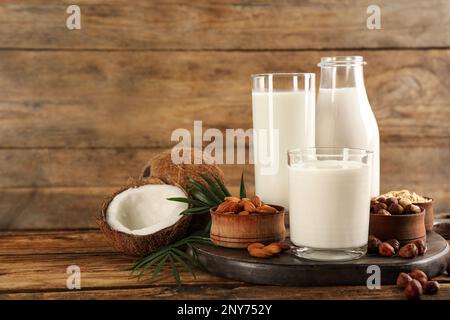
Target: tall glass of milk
x,y
344,117
283,118
329,198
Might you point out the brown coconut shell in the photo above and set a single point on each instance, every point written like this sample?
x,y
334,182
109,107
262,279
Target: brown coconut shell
x,y
162,167
141,245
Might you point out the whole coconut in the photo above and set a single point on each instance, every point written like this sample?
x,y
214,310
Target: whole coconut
x,y
163,167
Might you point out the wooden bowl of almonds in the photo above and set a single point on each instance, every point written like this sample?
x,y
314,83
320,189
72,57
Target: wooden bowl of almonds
x,y
236,222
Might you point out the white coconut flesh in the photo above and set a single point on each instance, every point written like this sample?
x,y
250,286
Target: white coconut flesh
x,y
145,210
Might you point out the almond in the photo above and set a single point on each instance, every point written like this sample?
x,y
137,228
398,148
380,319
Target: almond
x,y
232,199
229,206
259,250
255,245
243,213
260,253
256,201
266,209
225,207
237,207
273,248
248,205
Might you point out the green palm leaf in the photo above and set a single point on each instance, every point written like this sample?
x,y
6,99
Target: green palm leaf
x,y
147,266
209,194
207,229
184,264
200,196
175,272
214,188
199,210
222,186
159,267
147,259
171,253
243,193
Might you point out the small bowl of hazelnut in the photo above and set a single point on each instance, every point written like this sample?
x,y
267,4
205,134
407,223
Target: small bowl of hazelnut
x,y
418,200
400,219
411,197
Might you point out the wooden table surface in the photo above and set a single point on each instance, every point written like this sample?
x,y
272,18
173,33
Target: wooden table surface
x,y
33,266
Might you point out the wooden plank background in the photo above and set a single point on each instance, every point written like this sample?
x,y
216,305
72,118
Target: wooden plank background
x,y
82,111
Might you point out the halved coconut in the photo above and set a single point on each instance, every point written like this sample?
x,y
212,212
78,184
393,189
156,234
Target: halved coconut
x,y
139,219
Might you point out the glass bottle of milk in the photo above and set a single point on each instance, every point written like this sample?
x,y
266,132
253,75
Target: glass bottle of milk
x,y
344,118
283,118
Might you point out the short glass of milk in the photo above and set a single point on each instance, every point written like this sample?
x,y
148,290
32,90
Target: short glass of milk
x,y
329,199
283,118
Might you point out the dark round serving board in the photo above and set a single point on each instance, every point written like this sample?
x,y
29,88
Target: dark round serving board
x,y
288,270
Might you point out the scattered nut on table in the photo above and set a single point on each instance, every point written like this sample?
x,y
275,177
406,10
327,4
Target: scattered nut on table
x,y
259,250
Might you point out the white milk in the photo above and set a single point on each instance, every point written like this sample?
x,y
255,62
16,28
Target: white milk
x,y
293,116
329,204
345,120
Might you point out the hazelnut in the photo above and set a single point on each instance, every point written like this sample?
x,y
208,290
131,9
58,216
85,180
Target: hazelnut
x,y
379,206
403,279
431,287
395,244
408,251
391,200
413,209
383,212
372,244
373,202
386,250
395,209
423,280
417,273
413,289
421,246
404,202
381,199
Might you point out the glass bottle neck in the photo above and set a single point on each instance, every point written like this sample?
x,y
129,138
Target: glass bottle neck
x,y
341,76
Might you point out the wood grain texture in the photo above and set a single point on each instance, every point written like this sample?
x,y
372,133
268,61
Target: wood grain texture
x,y
48,272
53,242
33,266
225,24
136,99
231,293
85,167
